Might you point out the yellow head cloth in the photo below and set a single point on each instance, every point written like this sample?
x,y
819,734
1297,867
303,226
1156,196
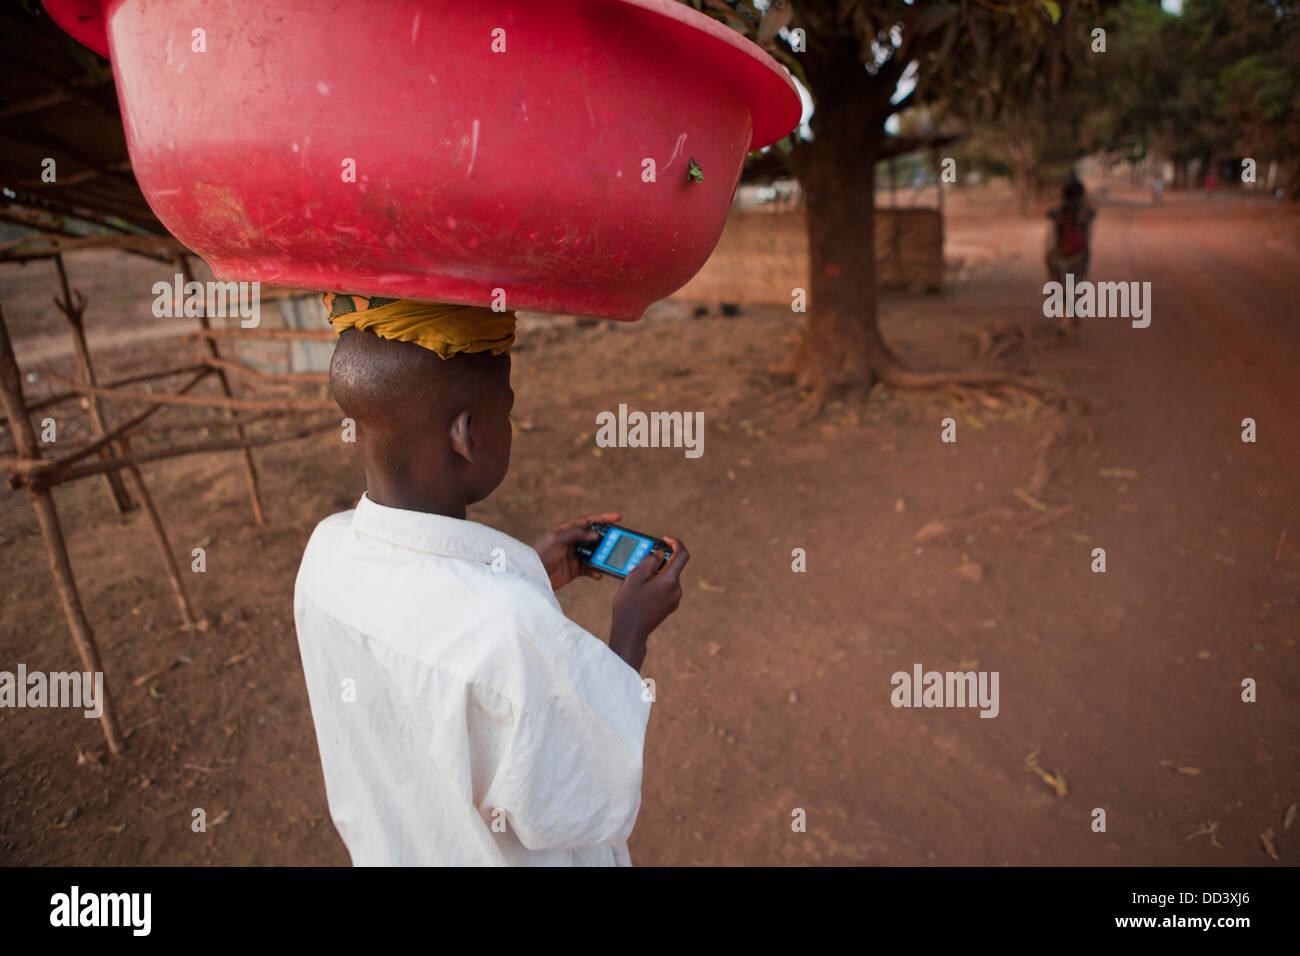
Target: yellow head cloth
x,y
445,329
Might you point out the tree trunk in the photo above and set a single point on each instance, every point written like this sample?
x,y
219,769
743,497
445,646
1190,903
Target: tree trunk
x,y
1024,163
841,343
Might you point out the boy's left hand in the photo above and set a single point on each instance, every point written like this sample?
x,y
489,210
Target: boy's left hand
x,y
555,548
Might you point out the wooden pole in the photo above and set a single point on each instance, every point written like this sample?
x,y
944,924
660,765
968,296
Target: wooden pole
x,y
303,335
188,620
203,401
250,468
59,474
189,425
132,380
73,310
127,426
284,378
11,396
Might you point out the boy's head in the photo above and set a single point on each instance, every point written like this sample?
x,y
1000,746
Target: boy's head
x,y
433,433
1072,191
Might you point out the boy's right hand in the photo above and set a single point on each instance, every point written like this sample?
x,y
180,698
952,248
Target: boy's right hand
x,y
646,598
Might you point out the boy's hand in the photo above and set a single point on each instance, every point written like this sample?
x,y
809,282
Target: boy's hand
x,y
555,548
646,598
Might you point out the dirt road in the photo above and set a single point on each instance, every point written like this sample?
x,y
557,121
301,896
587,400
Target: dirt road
x,y
773,686
1128,682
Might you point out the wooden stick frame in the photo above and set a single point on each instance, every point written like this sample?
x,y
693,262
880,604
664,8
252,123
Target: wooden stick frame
x,y
110,451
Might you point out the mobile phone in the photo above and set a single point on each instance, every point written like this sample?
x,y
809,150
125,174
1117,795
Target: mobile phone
x,y
620,549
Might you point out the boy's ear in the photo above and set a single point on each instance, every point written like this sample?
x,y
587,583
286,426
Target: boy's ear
x,y
461,442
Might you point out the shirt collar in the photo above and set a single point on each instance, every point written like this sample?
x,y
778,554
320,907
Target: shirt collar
x,y
447,537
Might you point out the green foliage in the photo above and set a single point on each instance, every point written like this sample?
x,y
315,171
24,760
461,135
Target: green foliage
x,y
885,38
1252,90
1220,79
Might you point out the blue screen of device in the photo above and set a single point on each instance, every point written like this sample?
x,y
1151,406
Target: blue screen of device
x,y
621,551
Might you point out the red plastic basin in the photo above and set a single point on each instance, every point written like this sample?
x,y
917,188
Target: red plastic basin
x,y
475,170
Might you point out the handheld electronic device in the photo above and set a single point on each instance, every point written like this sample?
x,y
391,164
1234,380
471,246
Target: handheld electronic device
x,y
620,549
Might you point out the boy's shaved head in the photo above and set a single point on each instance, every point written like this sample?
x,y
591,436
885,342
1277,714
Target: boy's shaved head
x,y
425,425
384,384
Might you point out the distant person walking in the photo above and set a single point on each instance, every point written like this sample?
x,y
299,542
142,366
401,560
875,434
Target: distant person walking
x,y
1211,183
1069,241
1158,189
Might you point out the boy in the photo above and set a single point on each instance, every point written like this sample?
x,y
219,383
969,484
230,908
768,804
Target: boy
x,y
462,718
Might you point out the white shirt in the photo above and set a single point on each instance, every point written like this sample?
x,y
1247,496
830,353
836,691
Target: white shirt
x,y
462,718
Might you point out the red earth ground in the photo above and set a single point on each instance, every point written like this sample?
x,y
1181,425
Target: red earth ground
x,y
773,686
